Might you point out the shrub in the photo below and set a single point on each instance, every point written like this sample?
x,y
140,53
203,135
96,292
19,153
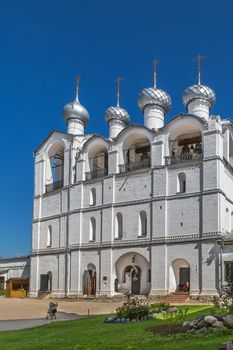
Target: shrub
x,y
173,319
159,307
136,309
224,302
227,290
133,310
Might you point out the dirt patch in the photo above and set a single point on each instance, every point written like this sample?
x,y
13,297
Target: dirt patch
x,y
167,329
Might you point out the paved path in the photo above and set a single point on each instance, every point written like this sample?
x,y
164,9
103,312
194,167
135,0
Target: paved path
x,y
12,325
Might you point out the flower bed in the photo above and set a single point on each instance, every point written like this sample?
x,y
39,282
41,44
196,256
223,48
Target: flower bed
x,y
136,310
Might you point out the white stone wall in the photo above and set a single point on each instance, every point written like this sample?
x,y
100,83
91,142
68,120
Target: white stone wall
x,y
175,221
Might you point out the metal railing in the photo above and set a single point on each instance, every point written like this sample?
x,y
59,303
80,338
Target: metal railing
x,y
96,173
131,166
181,158
54,186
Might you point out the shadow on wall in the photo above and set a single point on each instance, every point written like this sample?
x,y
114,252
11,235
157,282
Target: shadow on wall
x,y
26,271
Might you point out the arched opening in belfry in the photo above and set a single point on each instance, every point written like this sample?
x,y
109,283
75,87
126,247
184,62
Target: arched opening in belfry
x,y
55,168
98,162
185,144
136,153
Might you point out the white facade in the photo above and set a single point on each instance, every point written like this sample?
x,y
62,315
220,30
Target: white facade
x,y
140,213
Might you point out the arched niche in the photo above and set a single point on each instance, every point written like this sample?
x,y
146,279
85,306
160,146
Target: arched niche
x,y
142,223
132,273
49,236
181,183
179,276
92,229
93,196
118,225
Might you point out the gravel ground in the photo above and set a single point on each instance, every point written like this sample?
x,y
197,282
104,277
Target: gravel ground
x,y
24,309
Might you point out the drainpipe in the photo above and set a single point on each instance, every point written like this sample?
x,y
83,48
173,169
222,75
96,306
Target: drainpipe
x,y
221,266
67,219
200,231
101,232
151,222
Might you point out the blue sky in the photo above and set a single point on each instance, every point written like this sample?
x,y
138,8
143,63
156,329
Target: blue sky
x,y
45,44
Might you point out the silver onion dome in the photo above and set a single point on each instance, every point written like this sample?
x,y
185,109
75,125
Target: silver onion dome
x,y
74,110
117,113
198,92
154,96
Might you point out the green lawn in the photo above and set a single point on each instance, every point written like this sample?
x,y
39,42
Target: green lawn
x,y
93,334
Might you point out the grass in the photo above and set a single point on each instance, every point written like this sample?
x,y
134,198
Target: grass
x,y
92,334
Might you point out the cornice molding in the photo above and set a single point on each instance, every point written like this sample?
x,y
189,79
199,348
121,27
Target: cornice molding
x,y
208,237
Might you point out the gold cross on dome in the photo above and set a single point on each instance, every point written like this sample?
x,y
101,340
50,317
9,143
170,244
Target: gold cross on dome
x,y
198,59
118,81
155,62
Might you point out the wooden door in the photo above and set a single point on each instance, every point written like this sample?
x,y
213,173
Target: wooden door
x,y
2,280
184,275
135,282
90,285
44,283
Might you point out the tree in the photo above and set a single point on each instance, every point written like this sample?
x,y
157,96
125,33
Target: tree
x,y
227,290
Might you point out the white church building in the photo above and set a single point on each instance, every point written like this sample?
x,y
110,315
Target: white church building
x,y
148,210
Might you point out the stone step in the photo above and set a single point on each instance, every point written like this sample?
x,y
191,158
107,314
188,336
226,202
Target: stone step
x,y
43,295
176,298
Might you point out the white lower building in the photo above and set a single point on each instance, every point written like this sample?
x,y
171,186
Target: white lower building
x,y
16,267
144,211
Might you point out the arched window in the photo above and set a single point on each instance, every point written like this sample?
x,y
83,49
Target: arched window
x,y
92,229
119,226
93,196
49,236
181,183
142,223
